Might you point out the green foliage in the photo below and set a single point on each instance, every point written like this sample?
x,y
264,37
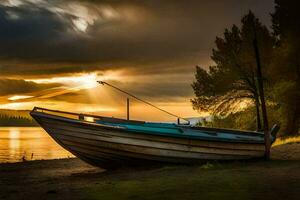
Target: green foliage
x,y
239,180
232,81
286,65
244,119
238,120
222,88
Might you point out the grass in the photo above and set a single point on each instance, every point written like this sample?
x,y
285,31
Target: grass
x,y
262,180
281,141
73,179
276,179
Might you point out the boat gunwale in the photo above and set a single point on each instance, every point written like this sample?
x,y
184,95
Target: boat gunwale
x,y
93,147
225,130
123,129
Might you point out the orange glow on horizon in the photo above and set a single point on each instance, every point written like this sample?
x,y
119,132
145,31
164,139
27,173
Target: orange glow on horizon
x,y
100,101
138,110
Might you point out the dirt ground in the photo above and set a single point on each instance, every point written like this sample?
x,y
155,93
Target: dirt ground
x,y
73,179
290,151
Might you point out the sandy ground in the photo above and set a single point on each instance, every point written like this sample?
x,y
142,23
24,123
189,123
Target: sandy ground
x,y
290,151
73,179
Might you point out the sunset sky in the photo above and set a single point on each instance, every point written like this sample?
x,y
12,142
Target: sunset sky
x,y
53,52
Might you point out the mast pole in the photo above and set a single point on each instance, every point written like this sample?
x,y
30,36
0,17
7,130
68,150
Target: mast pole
x,y
127,108
135,97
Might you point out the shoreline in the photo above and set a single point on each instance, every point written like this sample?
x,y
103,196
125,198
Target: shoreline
x,y
7,127
40,160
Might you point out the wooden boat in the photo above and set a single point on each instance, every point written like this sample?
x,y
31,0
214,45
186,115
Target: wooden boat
x,y
111,142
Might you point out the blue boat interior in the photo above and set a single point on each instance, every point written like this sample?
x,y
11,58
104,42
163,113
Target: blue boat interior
x,y
174,130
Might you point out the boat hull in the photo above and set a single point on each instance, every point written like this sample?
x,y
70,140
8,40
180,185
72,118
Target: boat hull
x,y
110,147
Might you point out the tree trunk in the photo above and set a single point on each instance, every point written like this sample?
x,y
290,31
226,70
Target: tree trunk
x,y
292,127
293,118
262,98
258,120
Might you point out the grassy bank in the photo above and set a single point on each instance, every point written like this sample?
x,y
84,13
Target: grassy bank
x,y
73,179
259,180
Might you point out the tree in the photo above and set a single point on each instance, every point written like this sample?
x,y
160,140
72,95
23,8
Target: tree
x,y
286,26
232,80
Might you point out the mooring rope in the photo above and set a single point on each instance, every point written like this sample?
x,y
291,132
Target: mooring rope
x,y
139,99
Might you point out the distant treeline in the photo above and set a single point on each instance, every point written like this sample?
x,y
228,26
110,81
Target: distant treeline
x,y
6,120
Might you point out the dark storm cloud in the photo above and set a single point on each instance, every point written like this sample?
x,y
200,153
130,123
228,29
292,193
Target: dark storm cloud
x,y
14,86
26,33
51,37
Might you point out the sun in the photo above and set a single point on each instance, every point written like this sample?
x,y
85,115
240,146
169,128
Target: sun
x,y
87,81
82,80
71,84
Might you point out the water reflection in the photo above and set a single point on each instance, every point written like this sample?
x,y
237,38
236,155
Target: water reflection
x,y
14,142
18,143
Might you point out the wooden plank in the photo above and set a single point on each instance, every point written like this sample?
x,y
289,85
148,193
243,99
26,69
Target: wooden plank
x,y
199,143
191,142
148,144
127,147
166,157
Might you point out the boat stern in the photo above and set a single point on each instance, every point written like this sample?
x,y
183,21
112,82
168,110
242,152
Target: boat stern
x,y
273,132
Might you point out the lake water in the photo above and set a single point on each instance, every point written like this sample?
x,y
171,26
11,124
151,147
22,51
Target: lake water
x,y
30,143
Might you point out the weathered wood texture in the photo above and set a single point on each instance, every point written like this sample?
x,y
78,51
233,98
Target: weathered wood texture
x,y
106,146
